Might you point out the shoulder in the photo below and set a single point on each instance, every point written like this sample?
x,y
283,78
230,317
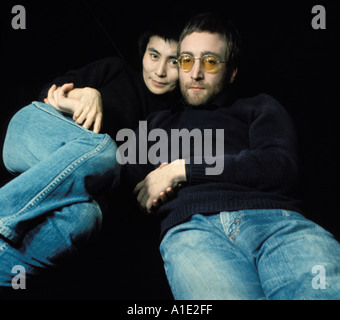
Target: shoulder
x,y
261,103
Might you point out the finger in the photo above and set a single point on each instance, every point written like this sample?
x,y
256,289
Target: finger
x,y
83,115
88,122
170,192
52,88
145,201
141,196
148,204
163,197
138,187
60,95
50,97
55,97
78,112
65,88
156,203
98,123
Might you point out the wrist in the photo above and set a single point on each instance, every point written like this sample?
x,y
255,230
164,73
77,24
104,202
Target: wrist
x,y
77,93
91,90
74,93
179,171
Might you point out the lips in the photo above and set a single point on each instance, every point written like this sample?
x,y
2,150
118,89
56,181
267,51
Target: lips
x,y
158,84
196,88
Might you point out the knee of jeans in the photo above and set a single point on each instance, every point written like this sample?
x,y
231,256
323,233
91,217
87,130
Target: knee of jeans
x,y
105,168
8,160
12,149
87,224
109,156
18,154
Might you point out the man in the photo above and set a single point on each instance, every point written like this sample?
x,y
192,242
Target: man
x,y
235,233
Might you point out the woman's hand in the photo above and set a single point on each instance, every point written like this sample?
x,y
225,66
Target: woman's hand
x,y
85,104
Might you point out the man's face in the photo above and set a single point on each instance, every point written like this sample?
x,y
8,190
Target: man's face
x,y
199,86
160,72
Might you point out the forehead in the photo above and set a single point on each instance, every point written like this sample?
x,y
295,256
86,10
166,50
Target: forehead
x,y
197,43
162,46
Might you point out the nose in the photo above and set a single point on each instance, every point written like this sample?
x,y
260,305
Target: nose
x,y
161,69
197,70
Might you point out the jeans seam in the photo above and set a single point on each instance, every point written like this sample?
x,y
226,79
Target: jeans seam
x,y
52,185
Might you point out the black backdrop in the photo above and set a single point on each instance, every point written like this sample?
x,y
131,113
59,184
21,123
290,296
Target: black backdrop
x,y
283,56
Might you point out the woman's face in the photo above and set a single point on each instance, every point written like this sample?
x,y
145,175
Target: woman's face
x,y
160,72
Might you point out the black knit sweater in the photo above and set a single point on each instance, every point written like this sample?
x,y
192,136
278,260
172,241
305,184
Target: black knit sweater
x,y
260,159
126,99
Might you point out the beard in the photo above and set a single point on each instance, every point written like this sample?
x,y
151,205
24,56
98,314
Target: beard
x,y
200,98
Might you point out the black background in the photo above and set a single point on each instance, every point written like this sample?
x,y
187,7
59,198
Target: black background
x,y
283,56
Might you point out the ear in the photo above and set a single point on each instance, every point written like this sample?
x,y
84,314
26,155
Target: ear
x,y
233,76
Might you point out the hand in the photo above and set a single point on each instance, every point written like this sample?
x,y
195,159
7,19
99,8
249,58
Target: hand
x,y
159,184
57,97
84,103
90,108
165,196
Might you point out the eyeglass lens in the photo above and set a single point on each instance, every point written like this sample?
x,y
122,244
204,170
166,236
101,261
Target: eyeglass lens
x,y
209,63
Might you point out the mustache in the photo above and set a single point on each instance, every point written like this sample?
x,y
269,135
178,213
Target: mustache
x,y
196,84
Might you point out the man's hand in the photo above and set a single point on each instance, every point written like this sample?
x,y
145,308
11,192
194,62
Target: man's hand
x,y
158,186
85,104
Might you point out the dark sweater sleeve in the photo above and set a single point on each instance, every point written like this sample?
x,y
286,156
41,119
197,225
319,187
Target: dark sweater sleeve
x,y
270,162
120,87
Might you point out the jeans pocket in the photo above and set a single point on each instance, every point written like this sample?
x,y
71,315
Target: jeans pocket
x,y
231,222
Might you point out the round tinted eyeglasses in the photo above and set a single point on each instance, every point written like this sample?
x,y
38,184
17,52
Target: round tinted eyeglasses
x,y
209,62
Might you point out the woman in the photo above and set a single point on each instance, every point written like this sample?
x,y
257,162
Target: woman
x,y
127,95
49,210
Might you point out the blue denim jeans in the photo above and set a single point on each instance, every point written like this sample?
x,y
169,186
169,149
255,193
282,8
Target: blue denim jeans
x,y
250,255
48,210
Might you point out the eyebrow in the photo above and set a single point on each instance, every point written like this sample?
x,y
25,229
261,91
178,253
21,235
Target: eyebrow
x,y
156,51
203,53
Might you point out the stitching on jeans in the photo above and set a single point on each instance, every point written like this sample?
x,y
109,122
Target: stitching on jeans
x,y
231,229
235,226
53,184
3,246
